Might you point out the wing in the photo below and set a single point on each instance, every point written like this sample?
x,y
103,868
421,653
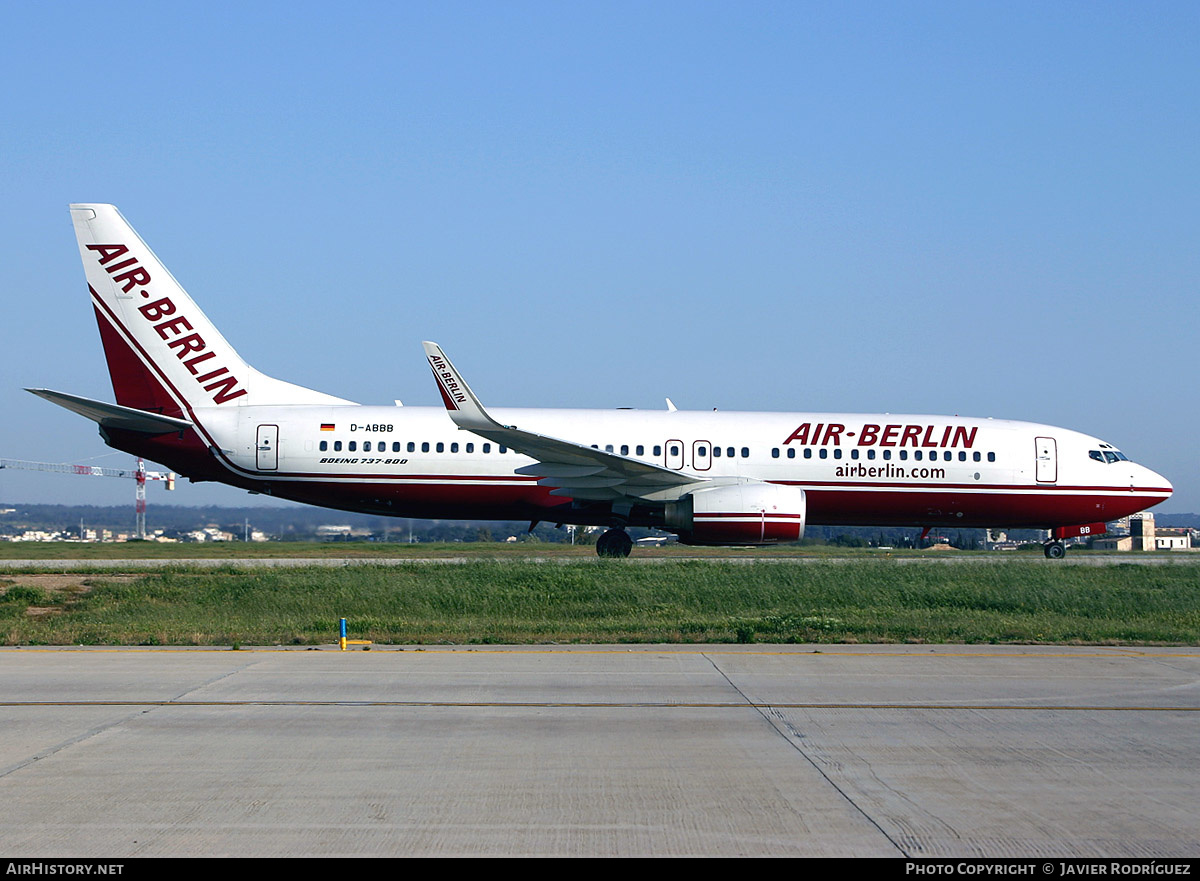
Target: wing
x,y
573,469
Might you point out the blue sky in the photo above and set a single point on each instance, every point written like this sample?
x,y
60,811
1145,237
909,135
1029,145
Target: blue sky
x,y
988,209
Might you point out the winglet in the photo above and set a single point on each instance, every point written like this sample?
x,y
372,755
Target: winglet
x,y
460,401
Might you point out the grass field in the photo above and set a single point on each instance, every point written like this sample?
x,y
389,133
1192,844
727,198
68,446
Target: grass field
x,y
231,550
596,601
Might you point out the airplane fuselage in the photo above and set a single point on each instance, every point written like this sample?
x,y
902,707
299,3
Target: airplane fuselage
x,y
886,469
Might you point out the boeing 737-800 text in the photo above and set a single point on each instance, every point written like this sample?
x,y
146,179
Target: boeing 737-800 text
x,y
186,399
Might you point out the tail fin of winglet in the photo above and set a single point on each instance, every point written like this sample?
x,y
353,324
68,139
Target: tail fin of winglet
x,y
464,408
163,353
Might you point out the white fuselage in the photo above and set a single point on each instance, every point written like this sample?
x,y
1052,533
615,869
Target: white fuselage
x,y
855,468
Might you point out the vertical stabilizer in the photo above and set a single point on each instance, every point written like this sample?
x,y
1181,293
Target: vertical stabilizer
x,y
163,353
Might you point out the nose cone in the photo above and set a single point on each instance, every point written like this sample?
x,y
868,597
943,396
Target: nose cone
x,y
1154,482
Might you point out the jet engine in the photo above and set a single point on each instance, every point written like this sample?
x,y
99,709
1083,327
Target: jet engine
x,y
741,514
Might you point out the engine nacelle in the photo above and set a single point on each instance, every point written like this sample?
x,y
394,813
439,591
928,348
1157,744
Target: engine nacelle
x,y
749,513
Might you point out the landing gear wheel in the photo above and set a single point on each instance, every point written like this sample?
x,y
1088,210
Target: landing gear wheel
x,y
1054,550
614,543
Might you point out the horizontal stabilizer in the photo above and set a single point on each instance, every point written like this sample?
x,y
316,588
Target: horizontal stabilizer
x,y
113,415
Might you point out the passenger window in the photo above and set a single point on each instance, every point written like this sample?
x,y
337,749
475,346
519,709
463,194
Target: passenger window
x,y
657,450
837,452
324,446
717,452
947,455
640,450
454,447
366,446
887,454
503,450
412,447
487,448
808,452
470,448
424,446
674,450
703,451
395,446
824,453
904,455
854,454
624,449
729,452
870,454
441,447
976,456
608,448
791,452
337,446
774,452
745,452
918,455
352,446
991,457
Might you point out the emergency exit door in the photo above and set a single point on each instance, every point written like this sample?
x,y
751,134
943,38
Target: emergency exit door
x,y
267,446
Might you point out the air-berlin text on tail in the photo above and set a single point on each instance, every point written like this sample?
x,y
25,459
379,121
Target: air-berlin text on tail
x,y
189,348
869,435
452,393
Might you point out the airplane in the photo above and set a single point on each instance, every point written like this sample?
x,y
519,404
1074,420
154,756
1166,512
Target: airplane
x,y
186,399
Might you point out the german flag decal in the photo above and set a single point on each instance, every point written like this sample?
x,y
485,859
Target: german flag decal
x,y
326,426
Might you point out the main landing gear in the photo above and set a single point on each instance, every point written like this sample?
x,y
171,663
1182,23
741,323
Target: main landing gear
x,y
1054,550
614,543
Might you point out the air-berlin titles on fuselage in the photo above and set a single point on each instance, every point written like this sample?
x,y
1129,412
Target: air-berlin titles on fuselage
x,y
129,274
823,434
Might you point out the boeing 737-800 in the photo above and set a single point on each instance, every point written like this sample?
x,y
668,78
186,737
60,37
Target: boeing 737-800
x,y
186,399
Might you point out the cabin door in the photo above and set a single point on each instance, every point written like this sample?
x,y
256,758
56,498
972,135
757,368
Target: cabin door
x,y
267,446
1047,459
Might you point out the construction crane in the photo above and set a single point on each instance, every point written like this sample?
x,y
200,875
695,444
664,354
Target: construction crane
x,y
140,475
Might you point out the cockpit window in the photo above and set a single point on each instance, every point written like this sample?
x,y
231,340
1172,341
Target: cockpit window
x,y
1108,455
1096,454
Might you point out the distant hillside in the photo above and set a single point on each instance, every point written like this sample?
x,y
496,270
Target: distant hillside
x,y
1191,521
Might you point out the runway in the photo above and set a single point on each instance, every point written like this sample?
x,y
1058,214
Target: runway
x,y
916,751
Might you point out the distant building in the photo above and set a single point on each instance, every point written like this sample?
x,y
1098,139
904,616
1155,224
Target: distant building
x,y
1141,529
1143,536
1171,539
